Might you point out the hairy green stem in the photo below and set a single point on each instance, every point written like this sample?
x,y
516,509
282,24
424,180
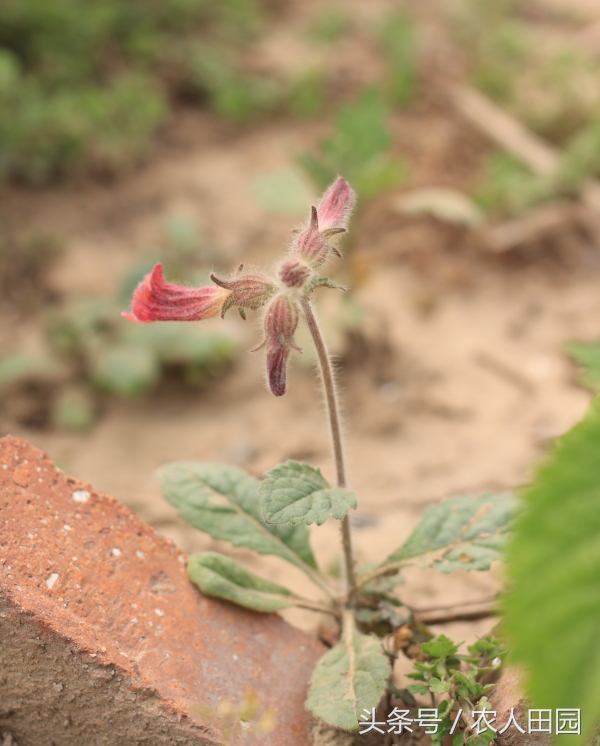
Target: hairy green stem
x,y
336,437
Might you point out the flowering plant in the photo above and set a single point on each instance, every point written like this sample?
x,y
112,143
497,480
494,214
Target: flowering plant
x,y
271,516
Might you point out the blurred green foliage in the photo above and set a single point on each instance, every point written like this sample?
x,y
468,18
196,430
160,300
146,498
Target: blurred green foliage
x,y
587,356
91,350
359,148
551,88
330,25
86,87
508,188
398,41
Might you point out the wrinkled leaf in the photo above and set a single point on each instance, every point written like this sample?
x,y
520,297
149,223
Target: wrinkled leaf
x,y
553,602
349,678
462,533
218,575
223,502
296,493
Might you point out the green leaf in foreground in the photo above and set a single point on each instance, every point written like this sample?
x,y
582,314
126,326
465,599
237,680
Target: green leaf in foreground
x,y
218,575
223,502
296,493
349,678
553,603
462,533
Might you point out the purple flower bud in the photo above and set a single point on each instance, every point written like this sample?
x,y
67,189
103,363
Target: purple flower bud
x,y
331,217
281,321
294,273
336,206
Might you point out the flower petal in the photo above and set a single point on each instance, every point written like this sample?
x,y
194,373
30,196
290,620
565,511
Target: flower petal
x,y
158,300
336,205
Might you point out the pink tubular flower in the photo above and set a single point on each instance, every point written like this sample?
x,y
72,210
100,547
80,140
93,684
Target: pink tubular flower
x,y
157,300
281,320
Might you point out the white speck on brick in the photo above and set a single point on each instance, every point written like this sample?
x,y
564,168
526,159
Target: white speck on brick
x,y
80,496
4,466
115,552
43,520
159,612
51,580
140,554
67,528
74,559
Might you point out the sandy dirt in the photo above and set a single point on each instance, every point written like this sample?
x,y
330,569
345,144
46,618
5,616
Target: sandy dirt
x,y
459,384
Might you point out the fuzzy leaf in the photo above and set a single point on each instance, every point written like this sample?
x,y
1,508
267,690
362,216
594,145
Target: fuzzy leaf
x,y
218,575
462,533
553,603
296,493
223,502
349,678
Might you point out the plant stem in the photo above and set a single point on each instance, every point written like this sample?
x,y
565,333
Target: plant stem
x,y
336,437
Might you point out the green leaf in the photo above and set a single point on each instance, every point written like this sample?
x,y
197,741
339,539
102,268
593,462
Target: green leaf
x,y
553,603
462,533
223,502
218,575
440,647
438,686
418,688
349,678
296,493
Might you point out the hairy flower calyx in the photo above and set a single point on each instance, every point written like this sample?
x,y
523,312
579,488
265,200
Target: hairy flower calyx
x,y
246,291
294,273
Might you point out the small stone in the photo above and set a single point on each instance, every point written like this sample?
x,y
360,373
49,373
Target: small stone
x,y
51,580
80,496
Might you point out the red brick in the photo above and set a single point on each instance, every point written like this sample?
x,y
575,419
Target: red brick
x,y
104,641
